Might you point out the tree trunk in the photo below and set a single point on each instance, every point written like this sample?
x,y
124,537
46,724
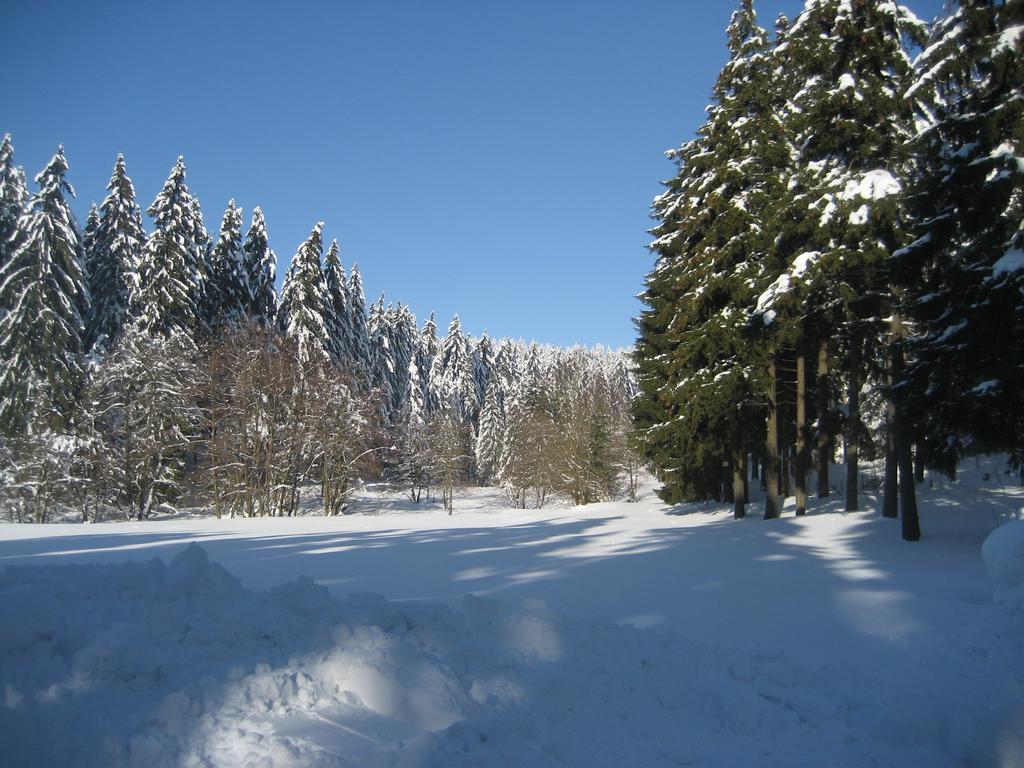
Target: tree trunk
x,y
746,483
772,507
890,504
739,480
919,466
800,475
911,526
728,481
853,424
823,436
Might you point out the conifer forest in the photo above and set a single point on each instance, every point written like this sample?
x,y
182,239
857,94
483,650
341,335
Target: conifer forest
x,y
254,512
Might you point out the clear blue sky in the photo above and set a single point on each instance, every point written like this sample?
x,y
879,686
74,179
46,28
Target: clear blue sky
x,y
492,159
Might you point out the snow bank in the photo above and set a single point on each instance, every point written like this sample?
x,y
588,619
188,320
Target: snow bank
x,y
1003,552
147,664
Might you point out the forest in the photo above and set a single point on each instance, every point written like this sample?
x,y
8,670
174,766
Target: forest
x,y
157,368
840,260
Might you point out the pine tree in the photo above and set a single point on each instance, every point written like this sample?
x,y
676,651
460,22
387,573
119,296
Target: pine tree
x,y
227,293
701,375
339,314
260,268
172,270
483,362
13,194
381,362
488,445
113,260
92,223
850,68
359,323
964,273
302,315
45,297
451,374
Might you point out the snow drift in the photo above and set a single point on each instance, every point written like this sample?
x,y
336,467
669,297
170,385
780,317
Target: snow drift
x,y
147,664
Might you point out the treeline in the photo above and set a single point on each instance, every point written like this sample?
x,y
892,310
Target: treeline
x,y
842,245
140,369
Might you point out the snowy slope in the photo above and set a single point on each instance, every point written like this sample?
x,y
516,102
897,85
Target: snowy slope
x,y
791,642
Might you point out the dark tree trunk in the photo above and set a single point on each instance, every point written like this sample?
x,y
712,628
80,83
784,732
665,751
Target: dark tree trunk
x,y
890,503
800,475
919,466
746,483
728,486
852,437
823,436
739,482
772,507
911,525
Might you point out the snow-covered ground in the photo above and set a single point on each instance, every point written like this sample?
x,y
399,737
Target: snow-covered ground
x,y
614,634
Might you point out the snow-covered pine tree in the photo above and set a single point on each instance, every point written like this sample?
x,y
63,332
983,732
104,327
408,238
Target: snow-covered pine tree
x,y
382,363
843,211
227,294
701,375
92,223
488,446
451,374
172,269
359,323
113,260
964,273
13,194
483,362
339,316
45,298
260,267
402,333
302,314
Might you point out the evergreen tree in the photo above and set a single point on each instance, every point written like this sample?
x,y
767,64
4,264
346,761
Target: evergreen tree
x,y
92,223
339,313
483,362
359,323
113,260
701,376
172,270
13,194
45,299
302,315
451,374
488,444
227,292
843,211
260,268
381,362
964,273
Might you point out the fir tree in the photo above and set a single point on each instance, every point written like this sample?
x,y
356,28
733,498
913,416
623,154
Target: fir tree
x,y
13,194
45,297
227,293
451,374
359,323
260,268
302,315
113,260
701,377
172,270
339,317
488,445
965,271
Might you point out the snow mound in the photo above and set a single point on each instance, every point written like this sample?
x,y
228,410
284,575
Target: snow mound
x,y
1003,552
152,664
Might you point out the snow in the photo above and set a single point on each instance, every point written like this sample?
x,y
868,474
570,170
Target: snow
x,y
1009,39
1011,261
800,641
873,185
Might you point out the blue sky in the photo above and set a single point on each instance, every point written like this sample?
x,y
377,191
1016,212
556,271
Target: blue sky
x,y
492,159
